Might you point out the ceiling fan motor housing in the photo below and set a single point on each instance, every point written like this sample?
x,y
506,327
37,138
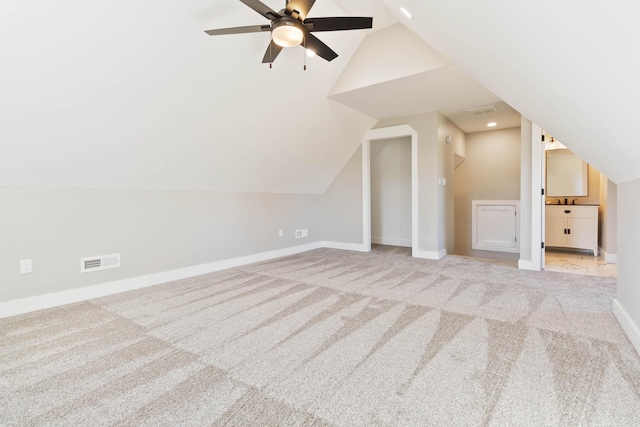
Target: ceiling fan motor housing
x,y
287,32
290,27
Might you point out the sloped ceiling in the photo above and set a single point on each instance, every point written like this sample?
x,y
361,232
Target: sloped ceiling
x,y
570,66
395,73
134,95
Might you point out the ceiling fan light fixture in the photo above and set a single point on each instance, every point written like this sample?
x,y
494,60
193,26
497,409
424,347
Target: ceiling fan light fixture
x,y
287,34
310,53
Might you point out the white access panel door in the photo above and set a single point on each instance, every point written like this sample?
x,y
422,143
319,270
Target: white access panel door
x,y
495,225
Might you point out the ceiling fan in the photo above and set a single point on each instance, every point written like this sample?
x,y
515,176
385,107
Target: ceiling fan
x,y
291,27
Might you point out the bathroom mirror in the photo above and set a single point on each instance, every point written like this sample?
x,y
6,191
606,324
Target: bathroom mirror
x,y
566,174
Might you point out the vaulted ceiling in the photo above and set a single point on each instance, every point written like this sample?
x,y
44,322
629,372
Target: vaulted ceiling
x,y
135,95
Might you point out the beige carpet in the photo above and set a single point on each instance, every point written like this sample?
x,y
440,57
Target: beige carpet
x,y
330,337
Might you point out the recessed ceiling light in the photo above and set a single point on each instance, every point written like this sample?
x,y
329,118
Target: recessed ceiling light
x,y
492,124
406,12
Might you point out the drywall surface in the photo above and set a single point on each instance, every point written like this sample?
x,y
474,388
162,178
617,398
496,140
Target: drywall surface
x,y
154,231
525,189
379,60
343,203
450,154
610,222
629,250
491,171
391,191
97,96
426,126
539,58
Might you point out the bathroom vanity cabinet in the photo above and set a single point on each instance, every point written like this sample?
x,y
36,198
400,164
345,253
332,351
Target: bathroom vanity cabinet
x,y
572,226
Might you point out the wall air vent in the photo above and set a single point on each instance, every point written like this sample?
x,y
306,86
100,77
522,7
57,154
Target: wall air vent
x,y
101,262
483,110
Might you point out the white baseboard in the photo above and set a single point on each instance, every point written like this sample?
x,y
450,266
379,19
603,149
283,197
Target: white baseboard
x,y
391,241
628,325
527,265
609,258
417,253
357,247
56,299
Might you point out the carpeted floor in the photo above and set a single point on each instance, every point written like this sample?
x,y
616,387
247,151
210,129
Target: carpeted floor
x,y
330,337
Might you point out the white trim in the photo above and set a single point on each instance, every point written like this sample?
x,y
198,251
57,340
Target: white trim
x,y
526,265
609,258
628,325
356,247
386,133
39,302
366,195
429,254
391,241
414,190
537,203
475,244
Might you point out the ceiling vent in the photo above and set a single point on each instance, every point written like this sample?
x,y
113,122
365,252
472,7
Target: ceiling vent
x,y
483,110
101,262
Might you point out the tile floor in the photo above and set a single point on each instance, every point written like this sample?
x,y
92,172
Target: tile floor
x,y
578,262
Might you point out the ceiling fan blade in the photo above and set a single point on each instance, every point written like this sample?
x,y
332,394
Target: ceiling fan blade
x,y
272,52
311,42
338,23
239,30
301,6
262,9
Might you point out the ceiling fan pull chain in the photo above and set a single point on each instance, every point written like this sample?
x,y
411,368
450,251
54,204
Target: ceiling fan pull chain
x,y
304,52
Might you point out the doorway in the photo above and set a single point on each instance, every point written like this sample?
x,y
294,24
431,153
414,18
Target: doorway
x,y
382,134
391,192
579,214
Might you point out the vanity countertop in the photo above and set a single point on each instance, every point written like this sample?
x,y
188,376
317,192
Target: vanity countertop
x,y
577,204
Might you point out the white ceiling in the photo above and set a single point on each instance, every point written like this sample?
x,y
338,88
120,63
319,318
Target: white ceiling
x,y
135,95
568,65
383,81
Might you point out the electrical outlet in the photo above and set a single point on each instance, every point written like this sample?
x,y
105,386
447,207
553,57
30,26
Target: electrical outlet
x,y
280,233
302,233
25,266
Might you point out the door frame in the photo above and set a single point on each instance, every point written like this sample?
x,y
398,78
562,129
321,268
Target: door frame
x,y
388,133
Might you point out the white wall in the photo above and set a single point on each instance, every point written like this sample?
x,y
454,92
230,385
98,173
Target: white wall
x,y
426,126
154,231
342,203
608,221
491,171
628,297
449,157
391,191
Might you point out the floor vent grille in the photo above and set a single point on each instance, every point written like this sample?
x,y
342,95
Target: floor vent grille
x,y
101,262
